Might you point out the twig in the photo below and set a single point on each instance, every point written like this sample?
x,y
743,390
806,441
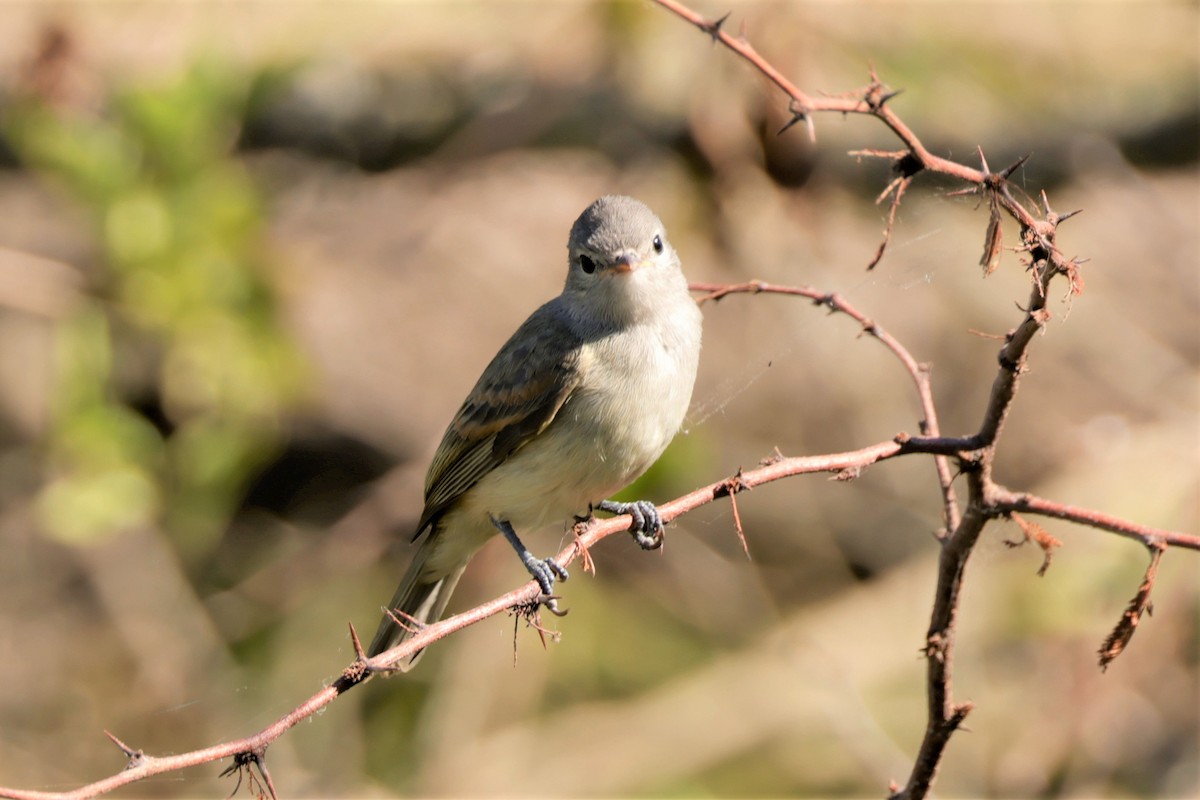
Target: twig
x,y
732,487
896,189
872,100
919,372
1004,500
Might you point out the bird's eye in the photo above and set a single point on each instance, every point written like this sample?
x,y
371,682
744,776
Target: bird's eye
x,y
658,244
586,264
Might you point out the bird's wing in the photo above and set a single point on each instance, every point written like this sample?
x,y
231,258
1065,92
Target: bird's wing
x,y
514,400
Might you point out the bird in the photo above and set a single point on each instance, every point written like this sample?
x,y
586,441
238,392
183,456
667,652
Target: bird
x,y
580,401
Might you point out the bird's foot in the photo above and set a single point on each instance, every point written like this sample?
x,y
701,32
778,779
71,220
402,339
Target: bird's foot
x,y
647,525
544,570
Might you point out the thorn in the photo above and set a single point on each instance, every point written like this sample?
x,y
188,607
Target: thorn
x,y
732,487
243,761
888,96
983,161
713,28
260,761
409,623
239,760
359,655
831,301
1064,217
797,116
775,457
1016,165
136,757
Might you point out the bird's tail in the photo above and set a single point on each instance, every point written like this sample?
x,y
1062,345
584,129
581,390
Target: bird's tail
x,y
419,601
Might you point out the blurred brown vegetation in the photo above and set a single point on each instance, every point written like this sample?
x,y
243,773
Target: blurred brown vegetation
x,y
406,175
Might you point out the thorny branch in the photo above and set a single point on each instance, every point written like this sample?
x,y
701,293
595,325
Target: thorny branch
x,y
872,100
972,457
919,372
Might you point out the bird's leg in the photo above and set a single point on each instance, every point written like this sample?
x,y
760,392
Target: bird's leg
x,y
543,570
647,525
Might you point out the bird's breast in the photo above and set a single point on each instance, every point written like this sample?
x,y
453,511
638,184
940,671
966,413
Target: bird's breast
x,y
634,390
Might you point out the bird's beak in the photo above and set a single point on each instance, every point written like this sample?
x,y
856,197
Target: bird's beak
x,y
626,262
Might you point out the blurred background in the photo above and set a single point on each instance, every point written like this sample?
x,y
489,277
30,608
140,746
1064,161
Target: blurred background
x,y
253,255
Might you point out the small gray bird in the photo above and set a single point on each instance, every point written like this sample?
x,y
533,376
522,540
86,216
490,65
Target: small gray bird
x,y
581,400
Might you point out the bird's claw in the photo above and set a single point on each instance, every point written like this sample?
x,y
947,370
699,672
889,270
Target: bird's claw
x,y
550,602
545,571
646,524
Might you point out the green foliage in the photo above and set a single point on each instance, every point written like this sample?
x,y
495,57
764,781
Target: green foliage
x,y
184,277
